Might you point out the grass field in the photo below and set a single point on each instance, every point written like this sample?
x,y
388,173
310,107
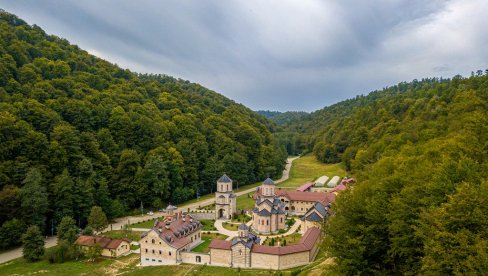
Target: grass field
x,y
290,239
119,234
145,224
308,168
230,226
208,225
241,218
207,238
245,202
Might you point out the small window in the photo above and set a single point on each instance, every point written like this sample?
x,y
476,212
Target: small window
x,y
170,253
160,261
153,241
153,260
147,259
146,250
153,251
198,259
281,219
160,252
159,242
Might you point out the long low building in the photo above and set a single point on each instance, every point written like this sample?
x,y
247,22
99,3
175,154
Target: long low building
x,y
112,248
246,252
296,202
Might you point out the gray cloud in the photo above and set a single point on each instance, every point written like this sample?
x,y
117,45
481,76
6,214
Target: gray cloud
x,y
280,54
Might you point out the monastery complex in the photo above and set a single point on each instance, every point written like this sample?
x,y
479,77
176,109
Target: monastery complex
x,y
171,241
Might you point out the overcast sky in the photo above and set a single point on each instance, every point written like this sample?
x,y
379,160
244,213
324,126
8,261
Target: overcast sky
x,y
276,55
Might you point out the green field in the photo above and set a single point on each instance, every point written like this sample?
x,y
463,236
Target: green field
x,y
145,224
230,226
290,239
208,225
308,168
119,234
245,202
207,238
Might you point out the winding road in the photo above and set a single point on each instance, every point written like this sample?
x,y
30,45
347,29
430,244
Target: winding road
x,y
120,222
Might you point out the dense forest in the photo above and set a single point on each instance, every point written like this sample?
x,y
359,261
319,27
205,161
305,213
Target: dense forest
x,y
282,118
78,131
419,152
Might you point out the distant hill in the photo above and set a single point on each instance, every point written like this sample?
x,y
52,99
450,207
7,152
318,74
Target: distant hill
x,y
282,118
419,151
82,132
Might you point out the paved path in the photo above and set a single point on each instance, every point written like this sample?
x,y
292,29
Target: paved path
x,y
120,222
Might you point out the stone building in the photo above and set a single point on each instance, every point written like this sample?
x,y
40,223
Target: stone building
x,y
225,199
314,217
110,247
249,253
169,239
297,202
268,215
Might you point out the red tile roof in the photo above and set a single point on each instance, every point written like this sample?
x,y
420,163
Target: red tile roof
x,y
220,244
305,186
306,243
104,242
174,227
324,198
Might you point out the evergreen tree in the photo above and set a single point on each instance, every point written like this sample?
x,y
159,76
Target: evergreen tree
x,y
97,219
32,244
63,193
103,198
34,199
67,230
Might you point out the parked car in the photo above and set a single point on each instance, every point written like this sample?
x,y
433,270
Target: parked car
x,y
150,213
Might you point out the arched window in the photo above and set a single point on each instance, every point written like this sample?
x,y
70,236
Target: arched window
x,y
267,222
281,219
153,251
146,250
170,253
153,241
160,252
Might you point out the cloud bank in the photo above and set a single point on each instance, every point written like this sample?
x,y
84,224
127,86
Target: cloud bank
x,y
276,54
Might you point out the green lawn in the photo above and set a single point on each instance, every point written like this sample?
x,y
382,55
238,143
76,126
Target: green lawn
x,y
207,238
245,202
208,225
241,218
308,168
119,234
230,226
145,224
101,267
290,239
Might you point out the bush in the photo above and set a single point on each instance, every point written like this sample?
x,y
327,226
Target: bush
x,y
33,244
11,233
63,252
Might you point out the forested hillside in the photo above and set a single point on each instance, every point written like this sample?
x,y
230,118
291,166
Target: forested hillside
x,y
78,131
419,151
282,118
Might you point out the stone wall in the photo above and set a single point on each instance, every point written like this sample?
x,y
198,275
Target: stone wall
x,y
195,258
265,261
293,260
200,216
220,257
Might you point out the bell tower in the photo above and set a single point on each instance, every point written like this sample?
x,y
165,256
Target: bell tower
x,y
225,199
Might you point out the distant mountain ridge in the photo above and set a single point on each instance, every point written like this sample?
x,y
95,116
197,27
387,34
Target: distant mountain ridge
x,y
283,118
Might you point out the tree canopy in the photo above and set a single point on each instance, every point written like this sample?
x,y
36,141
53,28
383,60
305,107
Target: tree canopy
x,y
76,131
419,153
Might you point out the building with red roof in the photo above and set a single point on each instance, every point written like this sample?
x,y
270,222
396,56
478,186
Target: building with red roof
x,y
112,248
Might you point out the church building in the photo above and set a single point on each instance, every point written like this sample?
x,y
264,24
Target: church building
x,y
225,199
268,215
